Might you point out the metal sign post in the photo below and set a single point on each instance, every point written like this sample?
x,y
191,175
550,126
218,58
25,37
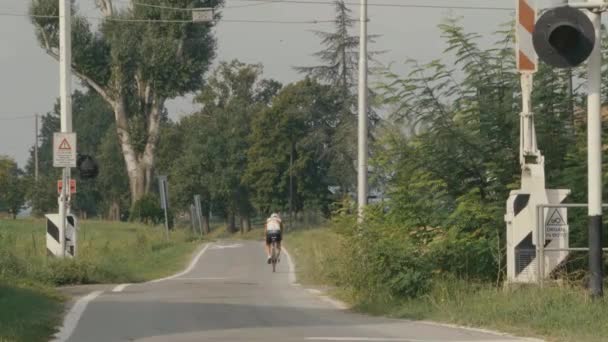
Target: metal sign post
x,y
199,212
164,200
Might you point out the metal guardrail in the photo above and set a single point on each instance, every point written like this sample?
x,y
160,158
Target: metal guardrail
x,y
540,233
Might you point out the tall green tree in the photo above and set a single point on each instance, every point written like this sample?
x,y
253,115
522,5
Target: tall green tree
x,y
290,141
140,56
112,182
215,140
12,186
339,68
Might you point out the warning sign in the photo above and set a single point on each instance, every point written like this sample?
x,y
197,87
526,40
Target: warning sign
x,y
65,145
64,150
556,226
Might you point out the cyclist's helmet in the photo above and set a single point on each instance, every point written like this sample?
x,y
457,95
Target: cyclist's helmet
x,y
275,216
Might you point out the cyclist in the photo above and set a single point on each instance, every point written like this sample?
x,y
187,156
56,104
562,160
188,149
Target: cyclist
x,y
273,228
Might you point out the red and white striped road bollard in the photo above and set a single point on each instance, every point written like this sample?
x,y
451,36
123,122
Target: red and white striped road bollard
x,y
527,65
527,60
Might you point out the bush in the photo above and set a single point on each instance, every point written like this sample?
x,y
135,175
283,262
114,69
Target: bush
x,y
11,266
147,210
382,261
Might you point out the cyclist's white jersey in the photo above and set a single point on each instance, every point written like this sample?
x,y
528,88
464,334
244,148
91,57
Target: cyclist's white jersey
x,y
273,225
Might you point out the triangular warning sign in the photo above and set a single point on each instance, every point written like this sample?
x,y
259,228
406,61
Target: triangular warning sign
x,y
65,145
556,219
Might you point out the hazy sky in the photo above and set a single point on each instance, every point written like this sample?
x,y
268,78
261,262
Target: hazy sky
x,y
29,82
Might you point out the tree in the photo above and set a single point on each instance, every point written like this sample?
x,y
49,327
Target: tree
x,y
291,139
215,140
340,69
92,119
451,155
12,186
340,56
112,180
135,61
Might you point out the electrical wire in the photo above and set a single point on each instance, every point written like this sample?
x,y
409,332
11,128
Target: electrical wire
x,y
14,118
316,2
175,21
262,21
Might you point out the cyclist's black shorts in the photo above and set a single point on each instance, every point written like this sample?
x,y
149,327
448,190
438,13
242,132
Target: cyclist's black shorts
x,y
271,234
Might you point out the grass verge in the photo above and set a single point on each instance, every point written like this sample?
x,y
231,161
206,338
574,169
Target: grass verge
x,y
109,252
28,313
554,313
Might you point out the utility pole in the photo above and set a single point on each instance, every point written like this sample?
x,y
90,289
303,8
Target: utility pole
x,y
65,85
594,143
363,107
291,186
36,148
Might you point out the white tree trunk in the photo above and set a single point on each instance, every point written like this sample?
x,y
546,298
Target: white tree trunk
x,y
139,165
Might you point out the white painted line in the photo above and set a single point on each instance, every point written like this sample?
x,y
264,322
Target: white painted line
x,y
292,268
71,319
202,279
480,330
336,303
362,339
120,287
292,279
236,245
187,270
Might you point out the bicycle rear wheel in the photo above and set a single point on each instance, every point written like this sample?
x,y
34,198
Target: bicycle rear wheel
x,y
274,257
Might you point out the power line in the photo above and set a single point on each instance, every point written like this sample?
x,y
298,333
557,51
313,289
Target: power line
x,y
175,21
270,2
463,7
13,118
262,21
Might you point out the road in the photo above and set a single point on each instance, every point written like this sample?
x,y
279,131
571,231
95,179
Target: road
x,y
230,294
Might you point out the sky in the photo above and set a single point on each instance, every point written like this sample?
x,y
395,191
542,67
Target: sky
x,y
29,79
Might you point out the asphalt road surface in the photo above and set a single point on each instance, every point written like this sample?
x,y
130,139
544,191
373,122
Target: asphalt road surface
x,y
230,294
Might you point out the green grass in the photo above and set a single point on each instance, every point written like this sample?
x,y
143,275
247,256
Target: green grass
x,y
28,314
316,252
109,252
554,313
557,313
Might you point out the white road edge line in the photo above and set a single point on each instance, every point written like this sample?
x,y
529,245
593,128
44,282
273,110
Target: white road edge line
x,y
343,306
73,316
120,287
365,339
293,281
71,319
292,267
480,330
202,279
389,339
187,270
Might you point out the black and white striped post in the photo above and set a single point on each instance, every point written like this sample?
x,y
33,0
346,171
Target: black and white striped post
x,y
565,38
594,148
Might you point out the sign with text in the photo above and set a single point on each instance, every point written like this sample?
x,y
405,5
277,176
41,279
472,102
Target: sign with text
x,y
64,150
